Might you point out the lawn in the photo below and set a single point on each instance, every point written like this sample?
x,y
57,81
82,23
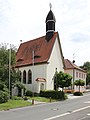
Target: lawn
x,y
22,103
43,99
14,104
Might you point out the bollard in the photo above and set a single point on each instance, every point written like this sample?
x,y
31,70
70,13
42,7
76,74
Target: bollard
x,y
32,101
50,99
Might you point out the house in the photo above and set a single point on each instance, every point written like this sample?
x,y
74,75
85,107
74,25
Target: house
x,y
38,59
76,73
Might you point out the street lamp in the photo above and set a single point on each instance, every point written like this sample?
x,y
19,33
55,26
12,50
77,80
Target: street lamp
x,y
9,69
33,74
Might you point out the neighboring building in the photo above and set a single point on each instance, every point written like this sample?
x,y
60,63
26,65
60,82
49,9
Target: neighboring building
x,y
38,59
76,73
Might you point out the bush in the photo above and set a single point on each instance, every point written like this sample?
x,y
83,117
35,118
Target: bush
x,y
29,93
53,94
4,96
17,98
77,93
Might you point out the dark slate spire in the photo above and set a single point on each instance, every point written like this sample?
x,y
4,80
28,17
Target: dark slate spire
x,y
50,24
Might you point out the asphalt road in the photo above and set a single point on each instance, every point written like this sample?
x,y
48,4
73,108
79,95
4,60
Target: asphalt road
x,y
71,109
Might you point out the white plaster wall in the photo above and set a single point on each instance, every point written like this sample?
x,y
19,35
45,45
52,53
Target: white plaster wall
x,y
70,71
82,78
55,61
38,71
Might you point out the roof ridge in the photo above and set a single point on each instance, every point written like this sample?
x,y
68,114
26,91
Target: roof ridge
x,y
71,63
33,39
36,38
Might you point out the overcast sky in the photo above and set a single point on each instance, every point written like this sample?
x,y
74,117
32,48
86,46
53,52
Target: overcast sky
x,y
25,20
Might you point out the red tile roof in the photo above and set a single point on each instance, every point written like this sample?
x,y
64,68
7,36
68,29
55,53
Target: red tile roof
x,y
42,50
70,65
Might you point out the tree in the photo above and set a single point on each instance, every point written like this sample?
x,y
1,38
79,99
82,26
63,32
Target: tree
x,y
4,66
86,66
62,80
79,83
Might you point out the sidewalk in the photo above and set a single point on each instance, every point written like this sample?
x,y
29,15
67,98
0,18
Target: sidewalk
x,y
71,96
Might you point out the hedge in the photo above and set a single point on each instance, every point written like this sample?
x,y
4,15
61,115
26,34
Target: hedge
x,y
53,94
77,93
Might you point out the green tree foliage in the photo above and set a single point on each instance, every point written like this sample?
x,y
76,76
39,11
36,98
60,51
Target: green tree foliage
x,y
79,83
4,67
86,66
4,95
4,62
62,79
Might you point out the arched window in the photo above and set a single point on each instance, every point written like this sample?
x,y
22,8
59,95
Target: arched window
x,y
24,77
20,74
29,77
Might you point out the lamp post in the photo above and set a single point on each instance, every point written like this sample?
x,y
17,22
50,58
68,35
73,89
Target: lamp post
x,y
33,75
56,79
9,69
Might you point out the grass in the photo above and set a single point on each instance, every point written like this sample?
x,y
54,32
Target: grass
x,y
43,99
14,104
22,103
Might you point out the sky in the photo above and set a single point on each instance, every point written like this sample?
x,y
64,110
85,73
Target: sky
x,y
25,20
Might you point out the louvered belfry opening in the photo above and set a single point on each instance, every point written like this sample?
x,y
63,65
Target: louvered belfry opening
x,y
50,25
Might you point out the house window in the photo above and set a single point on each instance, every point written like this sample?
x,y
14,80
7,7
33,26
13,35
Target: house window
x,y
24,77
82,75
79,75
76,74
29,77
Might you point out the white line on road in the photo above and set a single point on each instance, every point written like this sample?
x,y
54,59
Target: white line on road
x,y
82,118
61,115
80,109
51,118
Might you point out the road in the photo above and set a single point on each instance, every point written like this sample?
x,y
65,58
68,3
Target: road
x,y
71,109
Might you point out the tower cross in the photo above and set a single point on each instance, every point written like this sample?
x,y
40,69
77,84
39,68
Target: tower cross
x,y
50,5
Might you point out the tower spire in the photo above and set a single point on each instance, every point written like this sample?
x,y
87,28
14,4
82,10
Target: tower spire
x,y
50,24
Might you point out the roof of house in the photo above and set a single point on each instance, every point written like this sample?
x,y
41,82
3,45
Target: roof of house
x,y
42,50
70,65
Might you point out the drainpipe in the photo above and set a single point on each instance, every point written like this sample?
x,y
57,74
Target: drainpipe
x,y
73,79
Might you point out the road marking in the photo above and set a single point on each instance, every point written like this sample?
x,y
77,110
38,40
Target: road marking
x,y
80,109
88,114
82,118
61,115
51,118
87,102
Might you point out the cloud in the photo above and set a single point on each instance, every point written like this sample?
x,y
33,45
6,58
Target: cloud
x,y
80,37
25,19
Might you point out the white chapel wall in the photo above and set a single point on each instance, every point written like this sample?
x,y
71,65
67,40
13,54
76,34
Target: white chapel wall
x,y
55,61
38,71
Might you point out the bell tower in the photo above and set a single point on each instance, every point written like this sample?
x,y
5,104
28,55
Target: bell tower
x,y
50,24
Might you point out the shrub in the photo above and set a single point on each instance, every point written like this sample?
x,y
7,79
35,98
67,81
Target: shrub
x,y
4,96
53,94
17,98
78,93
29,93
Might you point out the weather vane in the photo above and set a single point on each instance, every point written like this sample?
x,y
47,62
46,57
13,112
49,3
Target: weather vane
x,y
50,5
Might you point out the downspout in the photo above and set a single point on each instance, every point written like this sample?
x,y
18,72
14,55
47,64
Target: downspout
x,y
73,78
